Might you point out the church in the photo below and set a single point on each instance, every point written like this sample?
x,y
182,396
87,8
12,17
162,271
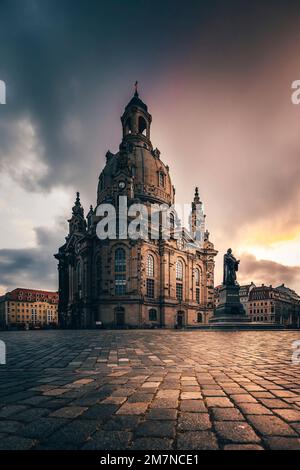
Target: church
x,y
146,282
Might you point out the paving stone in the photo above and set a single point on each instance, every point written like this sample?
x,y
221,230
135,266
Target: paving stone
x,y
68,412
9,426
11,410
227,414
132,409
162,414
254,409
41,428
289,415
153,428
195,440
243,398
164,403
194,422
221,402
100,412
190,396
283,443
16,443
122,423
274,403
195,406
75,433
108,440
271,426
235,431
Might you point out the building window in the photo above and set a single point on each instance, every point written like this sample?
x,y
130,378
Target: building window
x,y
199,317
49,316
161,179
120,284
150,266
152,314
120,271
197,276
150,288
198,295
179,291
33,315
179,270
120,260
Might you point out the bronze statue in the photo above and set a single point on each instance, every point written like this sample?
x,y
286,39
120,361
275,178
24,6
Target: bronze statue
x,y
231,266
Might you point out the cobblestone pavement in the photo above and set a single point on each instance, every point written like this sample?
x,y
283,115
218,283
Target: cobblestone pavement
x,y
149,390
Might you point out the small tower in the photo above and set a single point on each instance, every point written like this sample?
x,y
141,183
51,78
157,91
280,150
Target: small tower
x,y
197,219
136,121
77,222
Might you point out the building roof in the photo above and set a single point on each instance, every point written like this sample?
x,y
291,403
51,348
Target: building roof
x,y
136,101
269,292
32,295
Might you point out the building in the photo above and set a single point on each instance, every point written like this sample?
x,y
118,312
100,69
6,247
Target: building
x,y
278,305
244,294
154,282
34,308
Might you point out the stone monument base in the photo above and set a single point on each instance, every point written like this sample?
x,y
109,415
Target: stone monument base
x,y
229,311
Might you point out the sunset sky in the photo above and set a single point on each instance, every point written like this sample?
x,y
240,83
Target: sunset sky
x,y
216,76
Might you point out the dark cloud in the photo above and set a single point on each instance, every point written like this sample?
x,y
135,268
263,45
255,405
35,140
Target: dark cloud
x,y
267,272
32,267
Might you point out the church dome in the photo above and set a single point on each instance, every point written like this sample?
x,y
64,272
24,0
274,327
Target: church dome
x,y
136,169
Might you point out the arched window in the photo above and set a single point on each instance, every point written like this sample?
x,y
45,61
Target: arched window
x,y
150,266
179,280
120,260
172,224
120,271
128,126
150,275
162,179
179,270
197,277
142,125
199,317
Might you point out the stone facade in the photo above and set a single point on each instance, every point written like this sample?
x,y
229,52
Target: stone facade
x,y
278,305
122,282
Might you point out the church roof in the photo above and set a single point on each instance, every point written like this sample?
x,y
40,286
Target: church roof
x,y
136,101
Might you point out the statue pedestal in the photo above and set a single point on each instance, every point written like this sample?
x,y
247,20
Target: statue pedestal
x,y
229,310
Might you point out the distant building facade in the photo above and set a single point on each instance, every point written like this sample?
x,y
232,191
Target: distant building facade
x,y
244,294
143,282
29,307
279,305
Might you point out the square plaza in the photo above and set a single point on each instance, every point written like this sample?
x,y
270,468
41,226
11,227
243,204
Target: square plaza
x,y
148,390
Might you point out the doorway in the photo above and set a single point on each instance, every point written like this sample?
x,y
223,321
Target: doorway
x,y
180,319
119,317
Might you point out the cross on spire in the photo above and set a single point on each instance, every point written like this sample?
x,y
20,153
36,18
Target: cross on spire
x,y
136,89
